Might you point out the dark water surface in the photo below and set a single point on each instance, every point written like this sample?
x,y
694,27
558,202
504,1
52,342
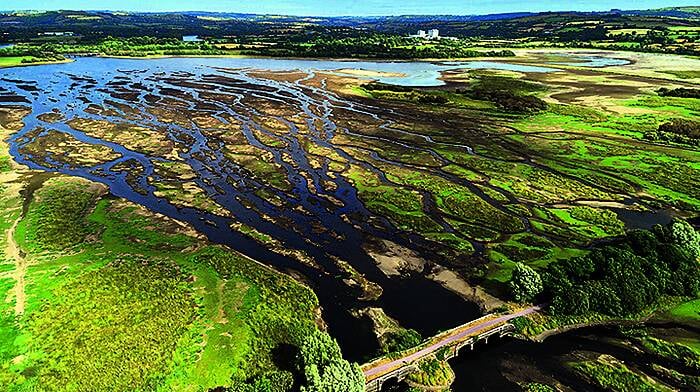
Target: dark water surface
x,y
485,368
127,88
643,219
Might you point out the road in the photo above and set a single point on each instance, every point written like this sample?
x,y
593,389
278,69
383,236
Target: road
x,y
471,330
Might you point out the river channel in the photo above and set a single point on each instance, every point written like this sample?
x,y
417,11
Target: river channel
x,y
223,89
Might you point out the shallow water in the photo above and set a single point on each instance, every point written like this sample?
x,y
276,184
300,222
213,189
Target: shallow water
x,y
415,73
643,219
591,61
414,301
72,87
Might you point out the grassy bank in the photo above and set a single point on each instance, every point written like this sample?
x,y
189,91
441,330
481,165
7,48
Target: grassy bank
x,y
23,61
104,295
111,302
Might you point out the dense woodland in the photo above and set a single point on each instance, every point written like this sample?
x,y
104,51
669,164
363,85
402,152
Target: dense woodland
x,y
129,47
621,279
373,46
379,46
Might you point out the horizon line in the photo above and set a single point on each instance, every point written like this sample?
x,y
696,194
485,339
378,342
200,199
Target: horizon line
x,y
344,16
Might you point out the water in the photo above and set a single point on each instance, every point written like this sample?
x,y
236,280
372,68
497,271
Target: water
x,y
413,73
123,85
592,61
502,66
643,219
71,88
498,365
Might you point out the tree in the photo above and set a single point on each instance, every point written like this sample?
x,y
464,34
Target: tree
x,y
401,340
629,276
602,298
319,348
575,301
337,376
643,242
525,284
324,368
685,236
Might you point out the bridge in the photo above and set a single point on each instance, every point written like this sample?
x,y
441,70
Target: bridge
x,y
378,371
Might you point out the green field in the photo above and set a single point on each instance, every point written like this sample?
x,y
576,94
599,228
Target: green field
x,y
687,311
113,304
12,61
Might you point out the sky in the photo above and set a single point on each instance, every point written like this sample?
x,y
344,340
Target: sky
x,y
341,7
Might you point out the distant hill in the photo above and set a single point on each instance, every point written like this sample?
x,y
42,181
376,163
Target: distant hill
x,y
91,25
672,12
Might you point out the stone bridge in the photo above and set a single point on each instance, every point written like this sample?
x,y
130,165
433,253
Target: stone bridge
x,y
382,369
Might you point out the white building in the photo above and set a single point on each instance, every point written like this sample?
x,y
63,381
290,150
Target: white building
x,y
430,34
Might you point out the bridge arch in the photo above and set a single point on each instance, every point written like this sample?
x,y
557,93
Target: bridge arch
x,y
390,382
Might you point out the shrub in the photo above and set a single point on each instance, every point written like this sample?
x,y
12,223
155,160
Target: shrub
x,y
680,92
401,340
677,131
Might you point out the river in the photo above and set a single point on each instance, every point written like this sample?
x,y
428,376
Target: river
x,y
127,86
75,89
506,364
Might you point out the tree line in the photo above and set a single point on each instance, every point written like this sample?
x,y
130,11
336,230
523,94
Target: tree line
x,y
620,279
378,46
679,131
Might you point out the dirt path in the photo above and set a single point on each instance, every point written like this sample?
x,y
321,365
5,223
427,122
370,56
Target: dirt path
x,y
13,252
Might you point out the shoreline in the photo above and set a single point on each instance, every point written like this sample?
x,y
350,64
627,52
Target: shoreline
x,y
643,319
65,61
73,57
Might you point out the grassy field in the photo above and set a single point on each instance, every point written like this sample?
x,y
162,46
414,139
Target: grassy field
x,y
18,61
12,61
687,311
114,304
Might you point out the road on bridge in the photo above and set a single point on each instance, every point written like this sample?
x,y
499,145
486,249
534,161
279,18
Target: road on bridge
x,y
467,332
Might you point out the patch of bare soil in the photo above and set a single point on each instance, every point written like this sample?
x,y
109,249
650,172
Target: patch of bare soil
x,y
394,259
452,281
381,323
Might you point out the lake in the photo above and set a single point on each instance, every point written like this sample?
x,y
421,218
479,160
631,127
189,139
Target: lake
x,y
417,73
